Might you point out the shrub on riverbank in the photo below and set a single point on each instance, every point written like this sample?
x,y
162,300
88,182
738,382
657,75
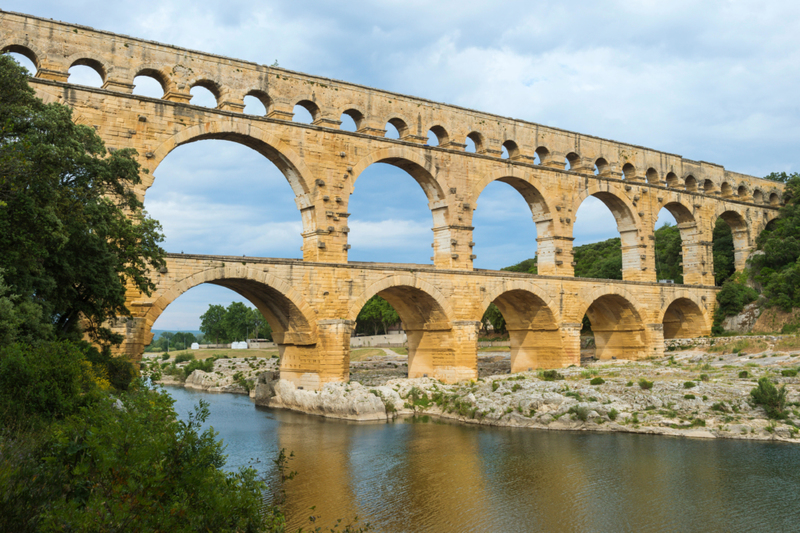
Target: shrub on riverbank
x,y
771,398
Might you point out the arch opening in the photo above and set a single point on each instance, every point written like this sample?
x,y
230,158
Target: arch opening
x,y
23,56
709,187
774,199
683,319
742,192
396,128
205,94
572,161
351,120
437,136
500,208
397,230
209,196
257,103
599,250
530,327
305,112
616,329
726,190
672,180
652,176
601,167
542,155
150,83
510,150
87,72
474,142
668,245
628,171
430,341
690,183
730,245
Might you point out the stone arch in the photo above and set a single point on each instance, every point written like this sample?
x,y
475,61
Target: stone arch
x,y
512,148
270,146
290,317
532,325
81,60
619,328
691,183
354,113
628,171
543,154
262,97
441,134
726,190
672,180
573,161
602,167
652,176
26,51
421,168
477,138
522,183
427,320
311,107
401,123
629,225
157,74
774,199
741,235
709,187
743,191
758,196
215,88
684,318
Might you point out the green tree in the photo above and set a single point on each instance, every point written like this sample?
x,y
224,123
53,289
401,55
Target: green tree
x,y
212,324
723,252
781,177
668,246
495,318
69,246
236,321
259,328
376,315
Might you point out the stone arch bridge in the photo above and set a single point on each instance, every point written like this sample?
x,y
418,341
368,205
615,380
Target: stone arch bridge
x,y
312,304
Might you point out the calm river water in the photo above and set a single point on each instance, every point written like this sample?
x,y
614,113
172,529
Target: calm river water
x,y
426,476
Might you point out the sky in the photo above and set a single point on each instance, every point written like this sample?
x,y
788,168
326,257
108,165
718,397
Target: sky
x,y
714,81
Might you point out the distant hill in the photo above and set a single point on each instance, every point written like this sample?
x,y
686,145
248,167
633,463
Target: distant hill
x,y
157,332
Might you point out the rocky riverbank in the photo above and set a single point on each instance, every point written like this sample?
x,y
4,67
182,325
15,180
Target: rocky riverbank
x,y
687,393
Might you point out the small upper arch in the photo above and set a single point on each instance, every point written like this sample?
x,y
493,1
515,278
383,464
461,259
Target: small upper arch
x,y
156,74
511,150
652,176
400,124
691,183
355,114
628,171
774,199
262,97
572,161
758,196
442,137
478,140
742,192
601,167
311,107
709,187
672,180
543,155
24,51
726,190
93,64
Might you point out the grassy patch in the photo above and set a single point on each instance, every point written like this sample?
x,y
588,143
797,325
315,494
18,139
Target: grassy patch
x,y
359,354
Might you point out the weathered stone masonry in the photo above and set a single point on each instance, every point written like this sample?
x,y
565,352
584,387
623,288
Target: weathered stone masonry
x,y
312,304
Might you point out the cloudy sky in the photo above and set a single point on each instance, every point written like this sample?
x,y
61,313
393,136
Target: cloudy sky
x,y
713,80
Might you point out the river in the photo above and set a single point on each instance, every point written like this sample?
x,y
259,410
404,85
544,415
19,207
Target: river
x,y
415,475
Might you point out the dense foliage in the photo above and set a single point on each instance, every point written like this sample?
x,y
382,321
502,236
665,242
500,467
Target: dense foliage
x,y
776,270
68,248
376,316
236,323
723,252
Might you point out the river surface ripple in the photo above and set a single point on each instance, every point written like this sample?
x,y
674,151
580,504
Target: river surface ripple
x,y
414,476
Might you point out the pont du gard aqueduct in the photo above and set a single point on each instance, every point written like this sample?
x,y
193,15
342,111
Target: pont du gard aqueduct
x,y
312,303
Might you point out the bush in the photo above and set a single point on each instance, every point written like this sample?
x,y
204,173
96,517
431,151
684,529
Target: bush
x,y
551,375
744,374
645,385
581,412
688,396
612,414
46,381
772,399
183,357
731,299
629,384
689,384
164,356
703,377
597,381
789,373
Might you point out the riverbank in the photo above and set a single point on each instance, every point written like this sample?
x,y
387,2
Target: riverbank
x,y
687,393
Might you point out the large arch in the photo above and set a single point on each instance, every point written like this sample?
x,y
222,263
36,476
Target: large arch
x,y
693,252
533,325
740,229
422,169
289,316
427,320
270,146
618,326
629,226
683,318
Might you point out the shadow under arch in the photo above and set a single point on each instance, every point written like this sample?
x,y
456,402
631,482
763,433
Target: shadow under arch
x,y
428,322
684,319
628,225
618,327
533,327
281,305
270,146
